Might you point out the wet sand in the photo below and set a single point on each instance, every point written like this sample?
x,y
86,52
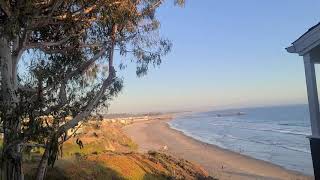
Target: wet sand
x,y
220,163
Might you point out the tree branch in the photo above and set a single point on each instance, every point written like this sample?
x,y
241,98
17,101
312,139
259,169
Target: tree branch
x,y
32,145
47,44
84,66
55,6
62,94
5,7
26,89
151,8
91,105
95,101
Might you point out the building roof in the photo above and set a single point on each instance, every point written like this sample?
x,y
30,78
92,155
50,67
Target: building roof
x,y
309,30
306,42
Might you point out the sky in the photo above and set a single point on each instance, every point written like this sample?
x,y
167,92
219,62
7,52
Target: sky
x,y
225,54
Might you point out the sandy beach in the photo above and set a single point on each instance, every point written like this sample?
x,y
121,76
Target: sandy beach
x,y
220,163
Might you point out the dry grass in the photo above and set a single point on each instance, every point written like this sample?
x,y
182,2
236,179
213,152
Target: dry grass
x,y
109,154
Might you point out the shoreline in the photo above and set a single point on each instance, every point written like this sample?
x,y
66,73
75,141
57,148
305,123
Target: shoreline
x,y
219,162
230,151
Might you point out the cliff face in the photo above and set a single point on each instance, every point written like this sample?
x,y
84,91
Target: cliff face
x,y
109,154
111,165
97,137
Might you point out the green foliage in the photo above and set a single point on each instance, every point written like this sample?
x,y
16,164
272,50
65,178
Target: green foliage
x,y
70,149
68,48
179,2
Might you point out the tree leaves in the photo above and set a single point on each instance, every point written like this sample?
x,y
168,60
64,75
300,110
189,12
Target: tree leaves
x,y
69,44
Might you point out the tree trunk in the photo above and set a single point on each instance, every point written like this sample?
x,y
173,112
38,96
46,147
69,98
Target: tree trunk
x,y
42,168
12,156
11,168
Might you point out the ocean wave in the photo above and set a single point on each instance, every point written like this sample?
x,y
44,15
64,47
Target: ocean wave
x,y
294,124
277,144
258,127
215,142
291,132
267,134
296,149
212,140
283,131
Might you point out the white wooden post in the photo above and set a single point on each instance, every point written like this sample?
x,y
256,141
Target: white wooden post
x,y
312,95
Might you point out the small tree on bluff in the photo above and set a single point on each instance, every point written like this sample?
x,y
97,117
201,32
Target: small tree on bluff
x,y
69,47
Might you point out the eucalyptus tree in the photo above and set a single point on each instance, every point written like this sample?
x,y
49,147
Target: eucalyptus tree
x,y
69,47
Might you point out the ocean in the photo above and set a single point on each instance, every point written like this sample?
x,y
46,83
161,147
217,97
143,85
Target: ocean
x,y
275,134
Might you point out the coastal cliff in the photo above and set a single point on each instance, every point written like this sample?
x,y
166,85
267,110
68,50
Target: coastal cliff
x,y
108,153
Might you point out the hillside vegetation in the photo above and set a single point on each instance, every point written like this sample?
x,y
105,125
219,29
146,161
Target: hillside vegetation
x,y
109,154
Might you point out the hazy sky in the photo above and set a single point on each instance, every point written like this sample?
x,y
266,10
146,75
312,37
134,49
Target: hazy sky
x,y
226,53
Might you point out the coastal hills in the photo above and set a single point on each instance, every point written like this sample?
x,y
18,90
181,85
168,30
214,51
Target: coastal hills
x,y
108,153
